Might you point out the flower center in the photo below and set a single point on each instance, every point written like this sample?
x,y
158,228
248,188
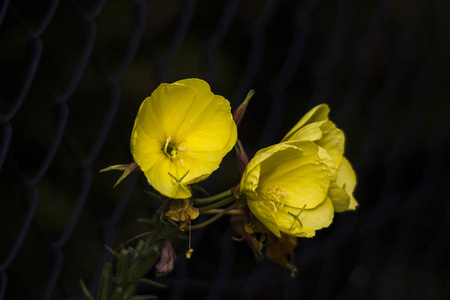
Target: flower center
x,y
170,149
275,196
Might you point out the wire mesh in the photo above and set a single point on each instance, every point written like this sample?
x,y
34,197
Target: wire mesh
x,y
73,74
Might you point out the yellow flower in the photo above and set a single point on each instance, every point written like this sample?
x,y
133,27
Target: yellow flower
x,y
181,134
296,186
286,187
316,127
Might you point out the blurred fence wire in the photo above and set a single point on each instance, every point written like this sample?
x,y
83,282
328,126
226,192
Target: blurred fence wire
x,y
72,77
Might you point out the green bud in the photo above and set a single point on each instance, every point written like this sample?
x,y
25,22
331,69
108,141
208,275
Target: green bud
x,y
122,269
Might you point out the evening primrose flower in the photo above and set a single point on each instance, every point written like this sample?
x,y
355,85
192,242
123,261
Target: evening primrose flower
x,y
286,186
316,127
181,134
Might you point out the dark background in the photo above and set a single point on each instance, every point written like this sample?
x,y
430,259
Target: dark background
x,y
72,77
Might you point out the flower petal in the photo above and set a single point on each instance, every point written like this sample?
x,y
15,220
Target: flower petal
x,y
332,140
297,170
265,215
304,223
339,197
159,177
316,114
320,217
326,135
346,179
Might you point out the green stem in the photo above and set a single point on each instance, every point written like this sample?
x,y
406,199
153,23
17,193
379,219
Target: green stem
x,y
216,217
214,198
231,212
217,204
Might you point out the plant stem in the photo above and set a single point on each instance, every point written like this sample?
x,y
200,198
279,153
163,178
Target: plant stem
x,y
218,211
217,204
216,217
214,198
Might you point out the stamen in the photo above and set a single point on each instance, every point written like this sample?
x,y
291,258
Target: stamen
x,y
275,197
169,148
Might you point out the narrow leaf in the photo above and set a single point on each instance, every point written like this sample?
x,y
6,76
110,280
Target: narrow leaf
x,y
85,290
151,282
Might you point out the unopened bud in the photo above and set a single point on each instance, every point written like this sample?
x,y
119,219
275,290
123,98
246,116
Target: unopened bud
x,y
242,158
239,112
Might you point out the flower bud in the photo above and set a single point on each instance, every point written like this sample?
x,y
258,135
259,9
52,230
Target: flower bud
x,y
242,158
239,112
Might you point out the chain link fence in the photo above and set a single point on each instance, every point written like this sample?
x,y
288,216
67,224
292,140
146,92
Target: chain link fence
x,y
73,74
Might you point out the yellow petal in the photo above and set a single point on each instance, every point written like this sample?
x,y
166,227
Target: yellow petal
x,y
199,164
264,214
323,155
317,114
332,140
319,217
311,132
296,170
325,134
304,222
346,179
314,219
159,177
339,197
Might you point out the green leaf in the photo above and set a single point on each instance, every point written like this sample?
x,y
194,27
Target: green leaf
x,y
85,290
155,194
117,295
147,221
112,251
105,282
151,282
129,291
144,263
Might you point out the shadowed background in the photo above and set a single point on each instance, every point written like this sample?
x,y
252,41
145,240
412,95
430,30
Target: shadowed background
x,y
72,77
